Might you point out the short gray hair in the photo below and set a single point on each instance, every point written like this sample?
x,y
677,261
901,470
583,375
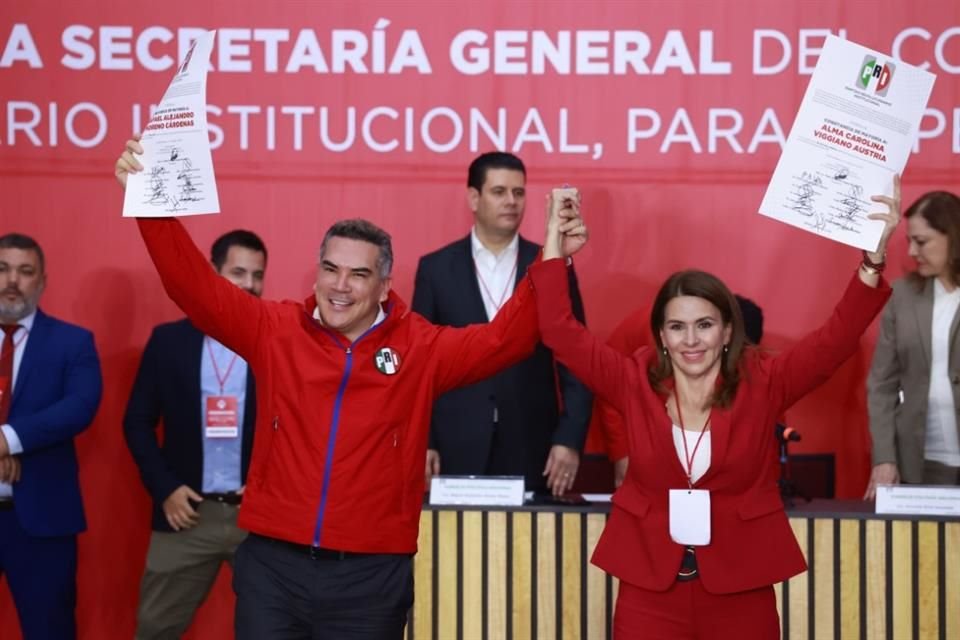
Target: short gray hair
x,y
365,231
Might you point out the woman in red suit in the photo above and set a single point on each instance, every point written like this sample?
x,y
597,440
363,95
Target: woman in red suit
x,y
697,534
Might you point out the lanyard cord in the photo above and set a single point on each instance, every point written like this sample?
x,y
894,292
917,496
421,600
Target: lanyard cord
x,y
688,457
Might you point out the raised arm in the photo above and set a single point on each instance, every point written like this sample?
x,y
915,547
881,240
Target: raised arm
x,y
215,306
576,399
598,366
595,364
818,355
469,354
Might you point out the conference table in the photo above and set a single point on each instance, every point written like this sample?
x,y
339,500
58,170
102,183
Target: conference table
x,y
524,573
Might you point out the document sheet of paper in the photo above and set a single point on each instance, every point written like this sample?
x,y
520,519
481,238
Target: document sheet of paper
x,y
178,178
855,129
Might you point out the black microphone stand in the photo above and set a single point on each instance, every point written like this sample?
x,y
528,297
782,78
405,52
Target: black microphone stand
x,y
788,488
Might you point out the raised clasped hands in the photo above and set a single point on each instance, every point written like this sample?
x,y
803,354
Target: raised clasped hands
x,y
566,231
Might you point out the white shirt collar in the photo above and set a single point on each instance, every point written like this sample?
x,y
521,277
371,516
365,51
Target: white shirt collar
x,y
27,322
479,250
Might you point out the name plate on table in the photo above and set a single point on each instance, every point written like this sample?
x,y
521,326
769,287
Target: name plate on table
x,y
919,500
487,491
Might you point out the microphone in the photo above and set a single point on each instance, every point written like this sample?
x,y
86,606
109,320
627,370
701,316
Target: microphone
x,y
787,434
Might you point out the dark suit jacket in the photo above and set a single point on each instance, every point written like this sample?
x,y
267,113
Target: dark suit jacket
x,y
529,417
167,389
56,397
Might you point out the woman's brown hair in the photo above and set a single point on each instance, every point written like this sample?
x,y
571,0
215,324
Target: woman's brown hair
x,y
701,285
941,210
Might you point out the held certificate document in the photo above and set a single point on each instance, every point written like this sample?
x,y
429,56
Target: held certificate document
x,y
855,129
177,177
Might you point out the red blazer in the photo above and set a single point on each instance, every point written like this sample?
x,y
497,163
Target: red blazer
x,y
752,543
607,433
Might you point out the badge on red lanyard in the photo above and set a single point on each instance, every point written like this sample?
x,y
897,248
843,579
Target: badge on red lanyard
x,y
221,419
689,508
221,415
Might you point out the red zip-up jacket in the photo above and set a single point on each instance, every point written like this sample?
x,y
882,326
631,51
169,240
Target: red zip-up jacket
x,y
340,444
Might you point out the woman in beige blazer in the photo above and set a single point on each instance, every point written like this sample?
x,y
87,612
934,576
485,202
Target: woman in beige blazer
x,y
913,390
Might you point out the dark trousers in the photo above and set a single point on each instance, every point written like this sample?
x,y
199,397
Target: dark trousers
x,y
42,575
509,456
285,594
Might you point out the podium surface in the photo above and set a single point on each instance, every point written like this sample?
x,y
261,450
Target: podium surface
x,y
524,573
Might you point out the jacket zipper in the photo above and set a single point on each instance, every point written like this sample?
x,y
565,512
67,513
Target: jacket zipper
x,y
335,424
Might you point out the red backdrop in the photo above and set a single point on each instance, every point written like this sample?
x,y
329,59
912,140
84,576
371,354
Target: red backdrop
x,y
668,115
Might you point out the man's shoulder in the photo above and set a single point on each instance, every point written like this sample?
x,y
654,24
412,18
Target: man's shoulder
x,y
528,244
175,328
62,328
909,286
446,252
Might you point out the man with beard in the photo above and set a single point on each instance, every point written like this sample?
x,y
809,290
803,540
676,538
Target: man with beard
x,y
50,388
204,395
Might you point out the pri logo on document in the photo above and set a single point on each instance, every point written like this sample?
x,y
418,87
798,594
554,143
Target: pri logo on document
x,y
875,73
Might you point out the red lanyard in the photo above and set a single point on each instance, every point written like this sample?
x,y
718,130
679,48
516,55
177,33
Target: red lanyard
x,y
506,287
683,436
216,370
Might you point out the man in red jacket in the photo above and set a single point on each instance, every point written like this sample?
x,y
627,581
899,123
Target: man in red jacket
x,y
345,385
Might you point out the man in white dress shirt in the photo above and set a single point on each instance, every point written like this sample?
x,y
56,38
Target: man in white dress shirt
x,y
512,423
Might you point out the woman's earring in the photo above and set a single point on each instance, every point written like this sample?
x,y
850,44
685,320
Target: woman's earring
x,y
726,348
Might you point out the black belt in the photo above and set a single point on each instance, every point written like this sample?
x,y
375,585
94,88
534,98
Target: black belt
x,y
6,505
688,566
226,498
315,553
